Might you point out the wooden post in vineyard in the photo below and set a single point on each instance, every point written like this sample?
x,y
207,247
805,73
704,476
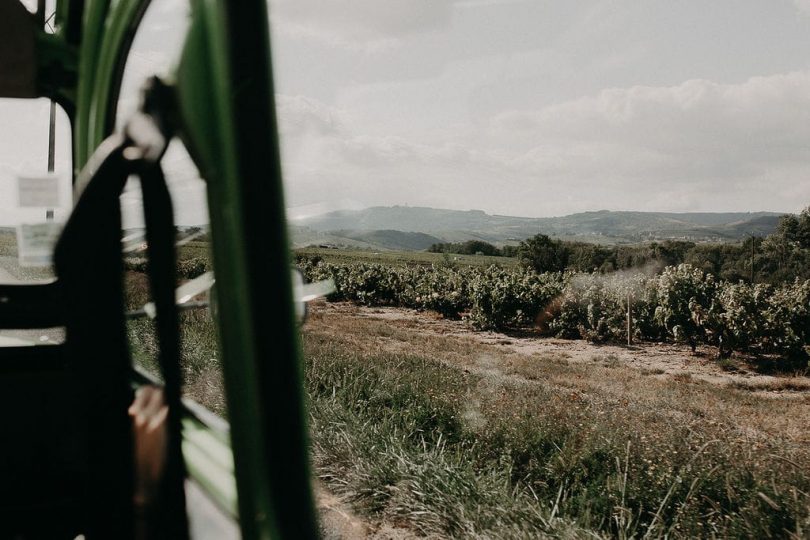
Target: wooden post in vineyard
x,y
629,318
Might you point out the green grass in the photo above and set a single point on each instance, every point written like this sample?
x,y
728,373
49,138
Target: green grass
x,y
194,249
8,242
458,454
9,260
446,438
411,467
401,258
202,376
201,249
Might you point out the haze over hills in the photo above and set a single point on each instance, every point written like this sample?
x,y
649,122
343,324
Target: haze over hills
x,y
407,227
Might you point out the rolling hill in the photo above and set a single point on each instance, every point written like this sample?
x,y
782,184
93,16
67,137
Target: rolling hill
x,y
406,227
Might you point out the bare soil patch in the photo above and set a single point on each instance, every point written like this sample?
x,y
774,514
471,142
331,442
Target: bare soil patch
x,y
340,522
659,360
736,435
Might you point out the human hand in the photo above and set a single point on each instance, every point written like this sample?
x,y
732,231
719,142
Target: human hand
x,y
148,412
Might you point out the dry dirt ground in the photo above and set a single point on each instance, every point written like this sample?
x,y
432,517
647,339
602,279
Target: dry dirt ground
x,y
339,521
660,360
669,378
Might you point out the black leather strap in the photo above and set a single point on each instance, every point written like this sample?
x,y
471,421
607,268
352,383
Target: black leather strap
x,y
89,265
170,515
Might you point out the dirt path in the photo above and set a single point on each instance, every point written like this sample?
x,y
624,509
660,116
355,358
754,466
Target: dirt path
x,y
662,360
339,522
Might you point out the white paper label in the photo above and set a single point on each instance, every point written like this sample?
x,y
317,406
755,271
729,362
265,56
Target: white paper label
x,y
38,191
35,243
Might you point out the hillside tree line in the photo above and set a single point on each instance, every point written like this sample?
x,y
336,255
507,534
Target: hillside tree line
x,y
779,257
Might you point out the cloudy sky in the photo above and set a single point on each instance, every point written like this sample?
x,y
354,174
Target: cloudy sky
x,y
527,107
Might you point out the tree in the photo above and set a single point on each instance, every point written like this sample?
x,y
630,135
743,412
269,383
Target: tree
x,y
707,257
473,247
470,247
788,228
584,257
543,254
803,229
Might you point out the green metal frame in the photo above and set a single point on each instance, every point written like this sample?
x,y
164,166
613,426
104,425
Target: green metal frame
x,y
93,24
227,120
106,37
226,116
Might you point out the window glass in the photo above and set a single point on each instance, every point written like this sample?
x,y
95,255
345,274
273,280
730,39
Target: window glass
x,y
29,195
558,238
155,51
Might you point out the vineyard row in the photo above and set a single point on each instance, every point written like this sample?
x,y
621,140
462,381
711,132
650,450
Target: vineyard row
x,y
680,303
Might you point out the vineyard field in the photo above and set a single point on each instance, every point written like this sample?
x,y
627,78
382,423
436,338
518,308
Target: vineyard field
x,y
422,423
459,416
400,258
679,304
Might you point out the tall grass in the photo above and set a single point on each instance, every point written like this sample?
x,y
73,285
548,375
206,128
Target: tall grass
x,y
475,454
529,449
202,376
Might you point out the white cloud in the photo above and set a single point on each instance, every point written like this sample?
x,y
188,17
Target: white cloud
x,y
349,22
698,128
413,97
698,145
802,5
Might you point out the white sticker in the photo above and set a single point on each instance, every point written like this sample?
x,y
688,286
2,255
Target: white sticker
x,y
38,191
35,243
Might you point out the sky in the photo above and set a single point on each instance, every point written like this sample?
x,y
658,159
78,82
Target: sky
x,y
517,107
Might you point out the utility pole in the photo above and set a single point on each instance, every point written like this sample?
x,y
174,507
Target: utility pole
x,y
629,318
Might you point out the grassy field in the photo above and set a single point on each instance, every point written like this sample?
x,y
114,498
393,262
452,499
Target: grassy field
x,y
9,261
200,350
451,437
438,431
401,258
421,425
434,430
8,242
440,434
194,249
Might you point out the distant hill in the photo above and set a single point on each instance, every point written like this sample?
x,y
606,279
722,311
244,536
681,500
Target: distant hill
x,y
402,226
393,240
759,226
